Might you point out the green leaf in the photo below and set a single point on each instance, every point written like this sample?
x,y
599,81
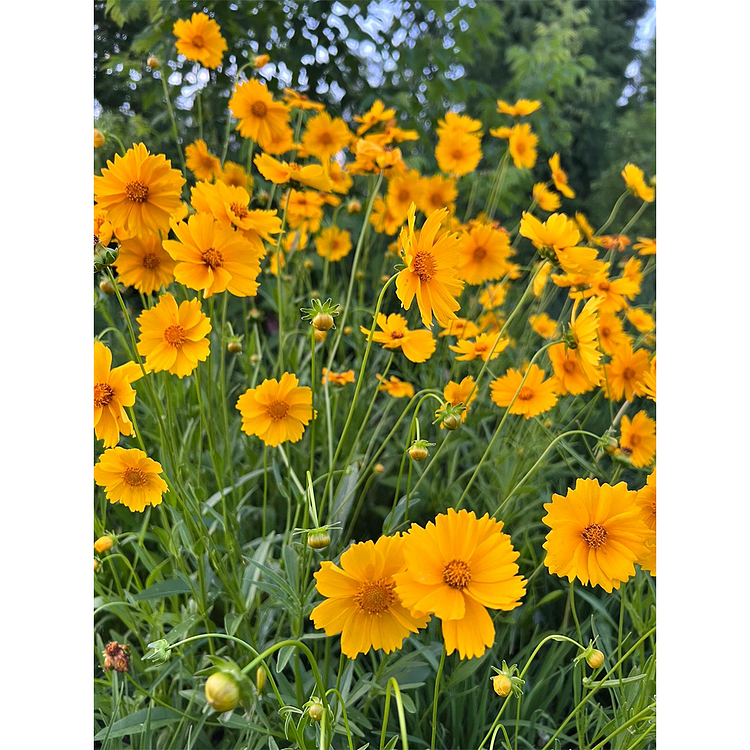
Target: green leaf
x,y
171,587
135,723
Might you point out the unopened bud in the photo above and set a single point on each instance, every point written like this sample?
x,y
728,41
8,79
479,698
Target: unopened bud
x,y
98,138
502,685
222,692
261,60
347,330
315,711
308,264
96,565
255,358
260,678
255,314
595,659
354,206
106,286
384,277
322,322
418,450
452,422
318,539
315,294
234,347
103,544
379,468
360,275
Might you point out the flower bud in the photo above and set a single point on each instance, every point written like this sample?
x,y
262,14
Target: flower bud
x,y
260,678
652,181
379,468
103,544
96,565
452,422
315,711
234,347
308,264
418,450
384,277
322,322
222,692
263,196
548,424
595,658
261,60
106,286
318,539
354,206
98,138
502,685
347,330
319,335
255,314
255,358
360,275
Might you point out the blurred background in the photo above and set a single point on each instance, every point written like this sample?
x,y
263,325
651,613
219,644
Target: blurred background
x,y
590,62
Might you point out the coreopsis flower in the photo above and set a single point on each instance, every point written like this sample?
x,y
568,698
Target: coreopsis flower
x,y
276,411
584,226
491,322
646,501
570,377
261,61
337,378
417,346
458,153
638,439
173,338
558,237
649,380
396,387
493,296
281,140
103,229
260,116
116,656
540,279
611,333
643,321
634,181
144,264
459,394
584,329
296,100
612,241
535,396
200,39
645,246
377,113
371,158
130,477
454,123
333,243
457,567
521,108
276,260
341,180
437,192
597,534
403,190
632,271
279,172
611,293
460,327
383,219
139,191
112,393
325,136
522,143
234,175
543,325
624,374
483,254
468,350
559,177
304,210
203,165
430,272
361,602
213,258
545,198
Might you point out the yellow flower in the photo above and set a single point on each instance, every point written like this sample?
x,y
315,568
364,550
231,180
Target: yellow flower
x,y
584,226
260,117
546,199
276,411
417,346
612,293
483,254
212,258
458,393
643,321
596,534
337,378
333,243
646,501
372,158
638,439
325,136
235,175
203,165
521,108
296,100
144,264
633,177
304,209
570,377
341,180
632,271
403,190
522,143
584,330
139,191
480,347
458,153
200,39
383,219
456,568
395,387
112,393
130,477
645,246
611,334
559,177
649,381
172,338
543,325
437,192
361,602
430,272
625,373
535,396
540,280
278,172
377,113
493,296
103,229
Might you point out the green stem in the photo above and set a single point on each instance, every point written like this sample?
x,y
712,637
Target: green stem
x,y
612,216
435,698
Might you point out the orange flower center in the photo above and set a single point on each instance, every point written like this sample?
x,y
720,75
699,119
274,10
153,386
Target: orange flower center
x,y
403,195
481,348
151,260
520,147
628,373
526,394
325,139
569,367
212,258
375,597
198,41
424,266
397,334
594,535
277,410
635,440
479,253
134,477
457,154
175,336
604,286
103,394
239,210
604,332
136,191
259,109
457,574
